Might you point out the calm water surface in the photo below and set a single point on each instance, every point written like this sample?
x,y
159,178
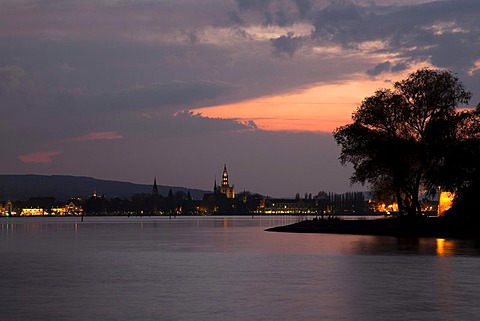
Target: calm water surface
x,y
215,268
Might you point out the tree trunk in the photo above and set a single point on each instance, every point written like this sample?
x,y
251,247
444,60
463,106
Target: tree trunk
x,y
401,208
418,208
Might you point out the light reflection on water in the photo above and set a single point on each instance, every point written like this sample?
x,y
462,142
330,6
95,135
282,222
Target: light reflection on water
x,y
216,268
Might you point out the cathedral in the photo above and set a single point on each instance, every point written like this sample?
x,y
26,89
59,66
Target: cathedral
x,y
225,188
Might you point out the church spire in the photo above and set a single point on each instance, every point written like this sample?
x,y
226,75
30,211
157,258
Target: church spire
x,y
225,176
155,188
225,188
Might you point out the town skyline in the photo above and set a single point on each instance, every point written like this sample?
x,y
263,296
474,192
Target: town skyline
x,y
65,187
128,90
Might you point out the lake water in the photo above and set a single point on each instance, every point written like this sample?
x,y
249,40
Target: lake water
x,y
216,268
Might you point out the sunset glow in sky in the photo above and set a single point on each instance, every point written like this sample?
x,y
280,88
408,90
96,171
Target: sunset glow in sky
x,y
320,108
129,90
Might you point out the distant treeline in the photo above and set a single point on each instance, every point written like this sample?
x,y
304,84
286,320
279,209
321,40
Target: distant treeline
x,y
182,203
143,203
346,203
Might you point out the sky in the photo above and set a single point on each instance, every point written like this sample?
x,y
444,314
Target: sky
x,y
174,89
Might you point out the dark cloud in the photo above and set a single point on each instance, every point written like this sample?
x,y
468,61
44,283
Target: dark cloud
x,y
380,68
172,95
109,66
401,66
286,44
305,7
339,22
278,18
386,67
234,17
72,68
253,4
184,123
276,13
286,10
191,36
39,116
188,123
447,33
464,47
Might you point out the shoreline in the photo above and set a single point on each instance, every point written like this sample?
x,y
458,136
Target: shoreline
x,y
432,227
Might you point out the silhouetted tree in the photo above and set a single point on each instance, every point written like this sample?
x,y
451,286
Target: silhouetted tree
x,y
141,203
96,205
397,140
464,159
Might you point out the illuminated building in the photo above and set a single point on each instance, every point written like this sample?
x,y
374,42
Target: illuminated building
x,y
222,200
428,207
32,211
445,201
288,206
225,188
387,208
69,209
7,209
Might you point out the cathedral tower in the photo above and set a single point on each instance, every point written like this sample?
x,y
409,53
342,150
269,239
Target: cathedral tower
x,y
225,176
225,188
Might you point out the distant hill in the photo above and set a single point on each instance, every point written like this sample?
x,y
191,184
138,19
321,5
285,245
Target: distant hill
x,y
63,187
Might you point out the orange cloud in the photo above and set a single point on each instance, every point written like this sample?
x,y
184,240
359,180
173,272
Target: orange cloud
x,y
321,108
43,157
109,135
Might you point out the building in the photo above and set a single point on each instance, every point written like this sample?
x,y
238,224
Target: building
x,y
37,206
72,208
445,202
225,188
6,209
288,206
222,200
32,212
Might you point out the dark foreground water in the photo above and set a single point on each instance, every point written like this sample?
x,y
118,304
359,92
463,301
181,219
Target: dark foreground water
x,y
227,269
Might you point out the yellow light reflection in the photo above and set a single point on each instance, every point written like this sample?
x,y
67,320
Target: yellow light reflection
x,y
445,247
225,222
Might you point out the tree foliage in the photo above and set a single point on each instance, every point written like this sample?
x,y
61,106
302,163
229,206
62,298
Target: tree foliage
x,y
410,139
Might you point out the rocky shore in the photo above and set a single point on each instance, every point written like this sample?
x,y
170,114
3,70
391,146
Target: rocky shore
x,y
438,227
